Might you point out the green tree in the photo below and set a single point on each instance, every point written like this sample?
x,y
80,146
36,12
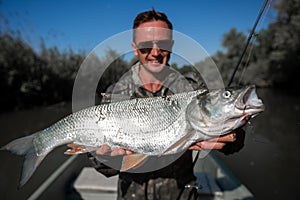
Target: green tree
x,y
30,79
233,41
273,58
285,53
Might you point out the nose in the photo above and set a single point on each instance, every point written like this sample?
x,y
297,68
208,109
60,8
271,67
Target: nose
x,y
155,50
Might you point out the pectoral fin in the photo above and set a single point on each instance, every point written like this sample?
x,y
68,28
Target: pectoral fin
x,y
132,161
180,143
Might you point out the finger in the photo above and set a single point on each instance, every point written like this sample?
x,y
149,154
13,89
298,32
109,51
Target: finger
x,y
195,148
118,152
128,151
210,145
103,149
231,137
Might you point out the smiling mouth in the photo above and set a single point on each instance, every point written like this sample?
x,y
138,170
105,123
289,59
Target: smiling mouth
x,y
154,62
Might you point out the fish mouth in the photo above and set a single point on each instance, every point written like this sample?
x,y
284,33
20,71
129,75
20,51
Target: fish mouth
x,y
249,102
248,105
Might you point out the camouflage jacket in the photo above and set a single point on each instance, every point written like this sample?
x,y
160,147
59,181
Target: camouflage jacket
x,y
180,171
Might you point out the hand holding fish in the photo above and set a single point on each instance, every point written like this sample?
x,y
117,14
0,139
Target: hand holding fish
x,y
105,149
214,143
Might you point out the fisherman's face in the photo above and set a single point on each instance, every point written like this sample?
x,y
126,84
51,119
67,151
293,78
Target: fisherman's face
x,y
153,44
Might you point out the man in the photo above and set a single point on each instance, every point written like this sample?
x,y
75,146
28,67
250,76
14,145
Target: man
x,y
151,76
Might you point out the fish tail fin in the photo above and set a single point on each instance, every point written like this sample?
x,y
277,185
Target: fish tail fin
x,y
24,147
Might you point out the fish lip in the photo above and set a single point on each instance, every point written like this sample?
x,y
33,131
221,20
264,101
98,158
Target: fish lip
x,y
248,100
241,120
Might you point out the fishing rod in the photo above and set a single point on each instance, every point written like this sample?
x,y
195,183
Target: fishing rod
x,y
248,41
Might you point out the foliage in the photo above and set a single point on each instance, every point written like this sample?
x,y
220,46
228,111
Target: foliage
x,y
273,59
285,50
28,78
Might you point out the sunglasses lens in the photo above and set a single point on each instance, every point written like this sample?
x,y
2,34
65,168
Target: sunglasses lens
x,y
163,45
145,47
145,50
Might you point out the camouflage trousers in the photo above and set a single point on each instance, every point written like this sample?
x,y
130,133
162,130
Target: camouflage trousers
x,y
156,189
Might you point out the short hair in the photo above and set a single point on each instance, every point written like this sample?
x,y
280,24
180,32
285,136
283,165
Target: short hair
x,y
149,16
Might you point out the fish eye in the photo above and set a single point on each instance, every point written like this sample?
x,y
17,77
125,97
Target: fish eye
x,y
226,94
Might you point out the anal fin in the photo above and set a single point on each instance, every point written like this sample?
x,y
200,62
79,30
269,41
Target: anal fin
x,y
132,161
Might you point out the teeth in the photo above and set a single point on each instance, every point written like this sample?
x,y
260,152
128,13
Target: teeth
x,y
154,61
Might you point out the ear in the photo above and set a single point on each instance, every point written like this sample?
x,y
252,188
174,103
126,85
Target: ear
x,y
135,50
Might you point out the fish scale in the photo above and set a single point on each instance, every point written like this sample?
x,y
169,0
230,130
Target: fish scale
x,y
122,121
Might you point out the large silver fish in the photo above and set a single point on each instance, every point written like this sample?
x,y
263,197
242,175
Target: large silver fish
x,y
147,126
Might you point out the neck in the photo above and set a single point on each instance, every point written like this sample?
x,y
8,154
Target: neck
x,y
151,81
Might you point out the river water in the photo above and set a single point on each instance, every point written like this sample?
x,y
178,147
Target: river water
x,y
20,123
268,164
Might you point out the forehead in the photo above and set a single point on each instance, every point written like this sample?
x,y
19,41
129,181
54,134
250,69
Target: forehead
x,y
155,30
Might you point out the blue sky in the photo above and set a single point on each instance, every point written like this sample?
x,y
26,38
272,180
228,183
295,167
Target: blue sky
x,y
82,25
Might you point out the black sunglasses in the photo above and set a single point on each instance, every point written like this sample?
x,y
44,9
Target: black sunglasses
x,y
163,45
